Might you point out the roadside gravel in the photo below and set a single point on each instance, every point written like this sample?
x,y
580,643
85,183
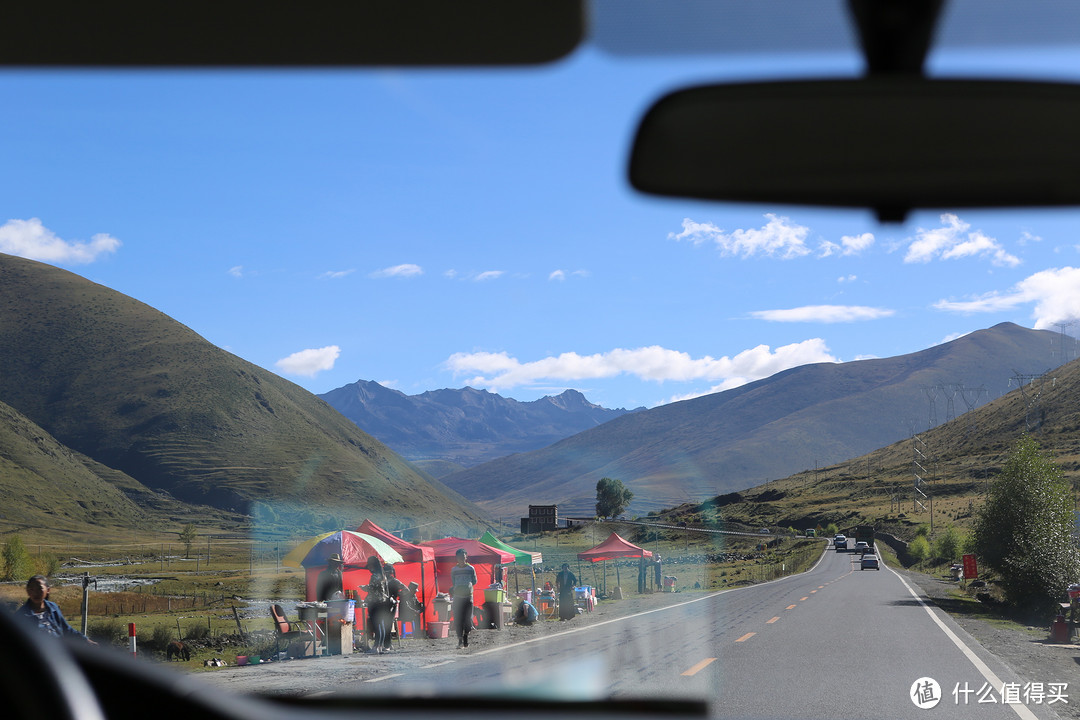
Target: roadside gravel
x,y
1026,650
312,676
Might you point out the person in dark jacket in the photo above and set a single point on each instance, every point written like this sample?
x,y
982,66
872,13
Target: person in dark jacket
x,y
378,605
40,612
329,581
565,582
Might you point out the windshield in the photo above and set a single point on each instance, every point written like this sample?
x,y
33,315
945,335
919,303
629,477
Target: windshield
x,y
262,326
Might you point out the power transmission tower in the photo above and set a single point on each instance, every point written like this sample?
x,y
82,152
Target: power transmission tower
x,y
971,397
1063,344
931,395
949,391
921,495
1031,388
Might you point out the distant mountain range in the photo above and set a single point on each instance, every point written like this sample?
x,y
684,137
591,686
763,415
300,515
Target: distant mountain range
x,y
111,412
443,431
811,415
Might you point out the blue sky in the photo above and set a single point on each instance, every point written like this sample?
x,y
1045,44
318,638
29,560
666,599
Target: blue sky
x,y
430,229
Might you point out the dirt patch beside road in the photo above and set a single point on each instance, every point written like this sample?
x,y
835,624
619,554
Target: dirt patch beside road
x,y
328,674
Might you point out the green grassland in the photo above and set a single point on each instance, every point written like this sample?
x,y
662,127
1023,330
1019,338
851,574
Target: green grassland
x,y
194,599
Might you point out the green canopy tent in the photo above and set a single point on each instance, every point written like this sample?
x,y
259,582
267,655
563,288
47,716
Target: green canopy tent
x,y
521,557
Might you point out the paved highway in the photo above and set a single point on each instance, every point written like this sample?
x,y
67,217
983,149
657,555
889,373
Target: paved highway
x,y
836,642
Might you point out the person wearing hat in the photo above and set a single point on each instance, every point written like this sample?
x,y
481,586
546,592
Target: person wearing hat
x,y
329,581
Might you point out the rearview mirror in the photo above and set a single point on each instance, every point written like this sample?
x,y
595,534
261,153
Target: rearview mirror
x,y
891,144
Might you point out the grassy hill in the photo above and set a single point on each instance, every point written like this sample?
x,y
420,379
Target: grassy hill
x,y
814,414
128,387
960,458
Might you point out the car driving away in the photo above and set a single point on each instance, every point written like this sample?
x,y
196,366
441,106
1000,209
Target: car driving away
x,y
869,561
862,548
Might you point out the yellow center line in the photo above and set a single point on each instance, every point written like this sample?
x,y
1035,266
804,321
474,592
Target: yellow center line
x,y
700,666
792,607
770,622
819,587
813,591
804,598
746,637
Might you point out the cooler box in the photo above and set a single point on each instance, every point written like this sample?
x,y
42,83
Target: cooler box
x,y
438,629
494,595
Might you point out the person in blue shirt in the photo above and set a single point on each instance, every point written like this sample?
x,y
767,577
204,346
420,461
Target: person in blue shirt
x,y
526,614
40,612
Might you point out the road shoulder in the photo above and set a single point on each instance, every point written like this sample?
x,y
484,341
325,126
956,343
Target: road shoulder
x,y
1026,651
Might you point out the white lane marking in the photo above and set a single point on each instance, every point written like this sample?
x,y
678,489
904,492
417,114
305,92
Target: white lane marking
x,y
435,665
384,677
1021,710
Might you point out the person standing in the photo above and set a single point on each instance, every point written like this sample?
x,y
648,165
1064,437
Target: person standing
x,y
329,581
565,581
463,579
377,601
40,612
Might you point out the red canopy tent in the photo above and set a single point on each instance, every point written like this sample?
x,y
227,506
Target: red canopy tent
x,y
418,565
482,557
612,548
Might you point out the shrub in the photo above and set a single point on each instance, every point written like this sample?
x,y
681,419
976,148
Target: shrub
x,y
46,564
16,563
161,636
196,631
947,546
919,548
107,632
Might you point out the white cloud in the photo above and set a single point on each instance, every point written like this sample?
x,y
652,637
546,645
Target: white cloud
x,y
489,275
406,270
847,279
1055,294
823,314
952,241
32,240
561,275
310,363
237,271
848,245
499,371
779,237
337,274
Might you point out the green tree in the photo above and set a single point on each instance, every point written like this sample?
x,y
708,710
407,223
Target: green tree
x,y
1023,532
919,548
17,563
612,497
187,536
947,545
